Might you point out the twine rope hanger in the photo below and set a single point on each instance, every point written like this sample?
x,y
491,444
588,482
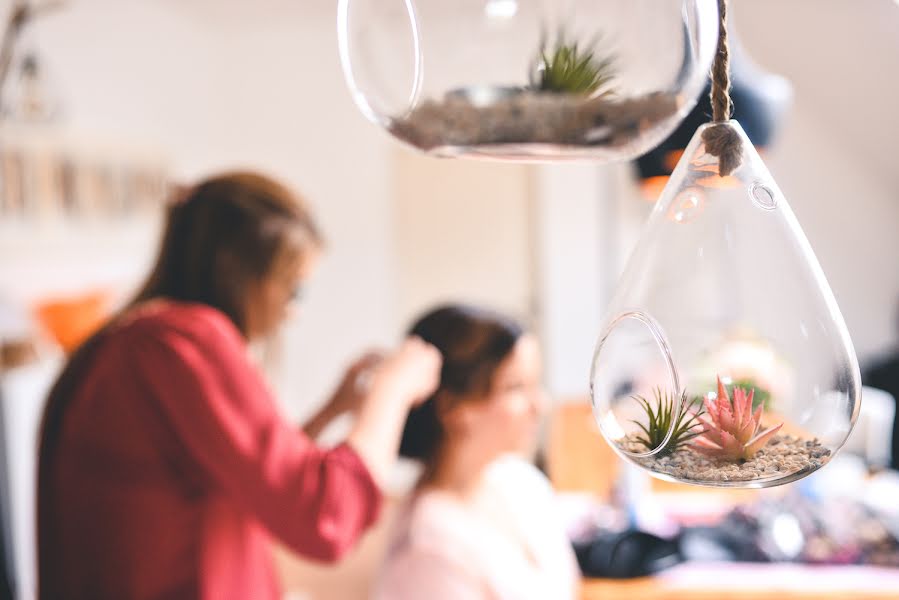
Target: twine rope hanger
x,y
721,140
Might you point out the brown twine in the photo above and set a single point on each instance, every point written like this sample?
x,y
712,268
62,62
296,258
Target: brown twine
x,y
721,140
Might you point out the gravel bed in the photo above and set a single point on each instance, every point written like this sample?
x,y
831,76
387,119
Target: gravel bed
x,y
784,454
529,117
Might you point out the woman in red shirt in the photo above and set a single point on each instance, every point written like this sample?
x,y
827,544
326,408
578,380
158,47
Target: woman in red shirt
x,y
165,468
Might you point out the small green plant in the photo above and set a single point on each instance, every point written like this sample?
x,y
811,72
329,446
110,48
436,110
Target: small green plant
x,y
570,69
668,409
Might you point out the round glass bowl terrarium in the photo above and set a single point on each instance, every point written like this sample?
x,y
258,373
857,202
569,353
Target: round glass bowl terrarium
x,y
724,360
527,79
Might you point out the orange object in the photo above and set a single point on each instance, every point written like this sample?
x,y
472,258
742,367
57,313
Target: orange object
x,y
578,459
652,187
72,320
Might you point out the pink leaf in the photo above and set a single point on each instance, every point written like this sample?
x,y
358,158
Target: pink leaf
x,y
710,431
739,408
757,416
759,441
722,392
747,431
711,409
704,442
745,406
705,446
731,445
722,404
726,420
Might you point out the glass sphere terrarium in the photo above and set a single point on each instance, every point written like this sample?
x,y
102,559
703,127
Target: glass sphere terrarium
x,y
527,79
724,360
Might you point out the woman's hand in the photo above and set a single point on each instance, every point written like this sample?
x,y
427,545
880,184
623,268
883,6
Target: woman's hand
x,y
404,377
349,395
355,384
401,380
410,374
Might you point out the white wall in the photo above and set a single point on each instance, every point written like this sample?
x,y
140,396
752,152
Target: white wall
x,y
835,159
849,216
571,211
221,93
462,234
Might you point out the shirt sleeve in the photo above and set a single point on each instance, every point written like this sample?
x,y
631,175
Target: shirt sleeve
x,y
415,574
316,501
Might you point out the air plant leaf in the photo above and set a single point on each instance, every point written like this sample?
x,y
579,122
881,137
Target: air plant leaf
x,y
566,68
668,412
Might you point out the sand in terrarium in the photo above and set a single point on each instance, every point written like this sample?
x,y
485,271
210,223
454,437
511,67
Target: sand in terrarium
x,y
782,455
533,117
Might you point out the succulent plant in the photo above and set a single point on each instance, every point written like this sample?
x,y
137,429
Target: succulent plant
x,y
731,427
761,395
570,69
668,409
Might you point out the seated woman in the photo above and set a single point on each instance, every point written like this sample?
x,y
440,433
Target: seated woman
x,y
480,523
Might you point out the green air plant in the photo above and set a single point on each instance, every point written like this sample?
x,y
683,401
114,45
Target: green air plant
x,y
667,409
570,69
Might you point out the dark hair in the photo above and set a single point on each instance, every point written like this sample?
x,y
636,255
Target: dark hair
x,y
222,235
473,342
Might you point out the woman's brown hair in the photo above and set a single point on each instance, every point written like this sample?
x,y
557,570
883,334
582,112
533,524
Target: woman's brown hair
x,y
221,236
473,342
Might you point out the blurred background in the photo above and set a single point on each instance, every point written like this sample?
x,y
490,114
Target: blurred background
x,y
110,103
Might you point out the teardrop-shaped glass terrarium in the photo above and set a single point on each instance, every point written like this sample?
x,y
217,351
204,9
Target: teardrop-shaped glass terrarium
x,y
527,79
724,360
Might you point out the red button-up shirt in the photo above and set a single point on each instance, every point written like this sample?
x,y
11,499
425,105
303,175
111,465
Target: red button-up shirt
x,y
166,469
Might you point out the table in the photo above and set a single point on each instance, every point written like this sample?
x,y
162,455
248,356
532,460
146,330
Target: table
x,y
743,581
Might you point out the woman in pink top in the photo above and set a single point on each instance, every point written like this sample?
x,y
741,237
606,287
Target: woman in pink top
x,y
480,524
165,468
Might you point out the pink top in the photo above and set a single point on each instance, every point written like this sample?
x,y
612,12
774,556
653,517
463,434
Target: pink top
x,y
166,469
513,549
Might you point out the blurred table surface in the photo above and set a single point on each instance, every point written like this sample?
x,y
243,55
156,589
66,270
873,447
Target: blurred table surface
x,y
752,582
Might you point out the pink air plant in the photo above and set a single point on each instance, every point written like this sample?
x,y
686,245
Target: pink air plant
x,y
731,429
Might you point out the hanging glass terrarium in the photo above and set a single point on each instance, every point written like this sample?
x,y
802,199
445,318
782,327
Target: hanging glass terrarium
x,y
725,360
527,79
